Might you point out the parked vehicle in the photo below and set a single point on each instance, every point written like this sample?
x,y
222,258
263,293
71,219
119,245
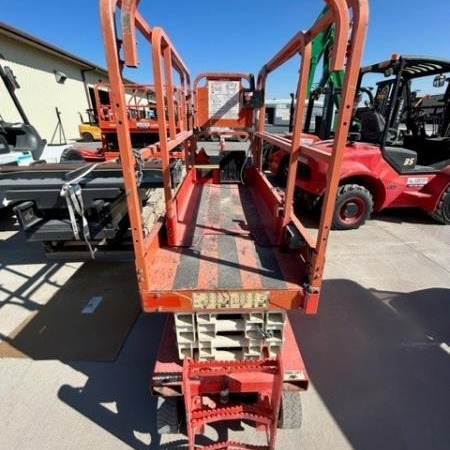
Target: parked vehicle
x,y
20,142
89,130
392,158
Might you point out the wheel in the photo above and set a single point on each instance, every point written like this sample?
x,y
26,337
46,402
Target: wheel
x,y
442,211
242,137
69,155
354,205
290,416
87,137
167,415
215,137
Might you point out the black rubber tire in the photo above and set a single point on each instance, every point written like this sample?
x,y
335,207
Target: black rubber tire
x,y
71,156
291,415
87,137
442,211
167,415
354,205
215,137
242,137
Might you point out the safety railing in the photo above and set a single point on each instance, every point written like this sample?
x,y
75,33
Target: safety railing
x,y
173,111
350,20
346,56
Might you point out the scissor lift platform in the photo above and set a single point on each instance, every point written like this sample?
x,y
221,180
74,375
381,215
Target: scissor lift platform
x,y
227,245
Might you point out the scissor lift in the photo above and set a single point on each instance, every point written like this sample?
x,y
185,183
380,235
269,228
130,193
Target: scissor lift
x,y
231,257
141,117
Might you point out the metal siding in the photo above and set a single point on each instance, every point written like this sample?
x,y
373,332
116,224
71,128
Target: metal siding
x,y
40,94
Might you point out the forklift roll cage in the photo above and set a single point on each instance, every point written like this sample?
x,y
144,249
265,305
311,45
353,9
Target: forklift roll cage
x,y
405,69
310,256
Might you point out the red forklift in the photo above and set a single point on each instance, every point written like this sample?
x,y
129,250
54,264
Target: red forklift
x,y
231,258
398,151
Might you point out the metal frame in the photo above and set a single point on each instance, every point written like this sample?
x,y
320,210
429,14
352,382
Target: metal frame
x,y
139,123
166,61
207,380
346,56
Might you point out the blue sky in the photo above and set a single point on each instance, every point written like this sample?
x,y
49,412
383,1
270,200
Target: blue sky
x,y
235,35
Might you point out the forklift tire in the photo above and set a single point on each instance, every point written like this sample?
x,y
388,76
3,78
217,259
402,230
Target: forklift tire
x,y
290,416
167,416
354,205
87,137
442,211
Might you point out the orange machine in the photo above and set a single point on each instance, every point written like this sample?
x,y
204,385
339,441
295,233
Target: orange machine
x,y
141,116
231,256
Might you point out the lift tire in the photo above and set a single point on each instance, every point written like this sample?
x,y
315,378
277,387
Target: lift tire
x,y
167,416
442,211
87,137
290,411
354,205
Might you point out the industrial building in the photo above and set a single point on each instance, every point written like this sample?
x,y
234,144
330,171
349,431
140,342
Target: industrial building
x,y
51,81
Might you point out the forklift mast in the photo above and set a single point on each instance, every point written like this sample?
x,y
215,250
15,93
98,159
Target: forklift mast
x,y
329,85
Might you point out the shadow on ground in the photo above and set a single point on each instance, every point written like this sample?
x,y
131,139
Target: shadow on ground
x,y
82,321
369,356
311,216
116,396
376,359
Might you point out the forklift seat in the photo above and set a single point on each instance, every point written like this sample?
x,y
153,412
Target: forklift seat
x,y
372,126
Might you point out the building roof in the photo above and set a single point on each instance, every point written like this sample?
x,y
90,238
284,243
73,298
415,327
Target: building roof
x,y
18,35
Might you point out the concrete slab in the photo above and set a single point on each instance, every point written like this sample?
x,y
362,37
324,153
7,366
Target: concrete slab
x,y
377,353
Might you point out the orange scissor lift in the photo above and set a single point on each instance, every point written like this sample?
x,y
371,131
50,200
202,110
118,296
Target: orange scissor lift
x,y
141,117
230,257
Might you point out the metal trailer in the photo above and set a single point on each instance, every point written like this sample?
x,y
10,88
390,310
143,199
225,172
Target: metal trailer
x,y
79,211
231,256
77,208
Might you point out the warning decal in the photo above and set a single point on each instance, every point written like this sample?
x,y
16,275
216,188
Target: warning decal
x,y
223,99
